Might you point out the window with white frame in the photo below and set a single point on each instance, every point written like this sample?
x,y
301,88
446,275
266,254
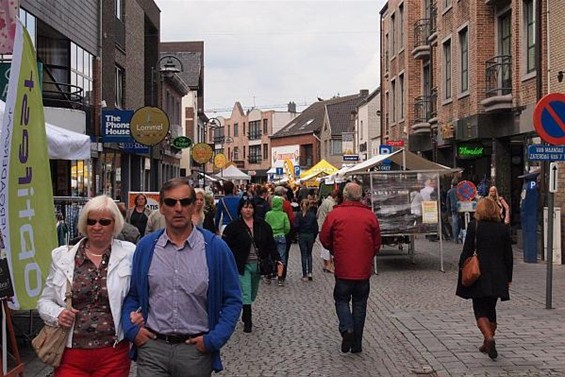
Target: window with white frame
x,y
447,69
464,59
530,33
336,147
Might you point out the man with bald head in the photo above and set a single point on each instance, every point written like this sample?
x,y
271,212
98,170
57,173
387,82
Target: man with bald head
x,y
352,234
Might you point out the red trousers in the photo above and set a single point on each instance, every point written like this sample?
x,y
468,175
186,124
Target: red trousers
x,y
96,362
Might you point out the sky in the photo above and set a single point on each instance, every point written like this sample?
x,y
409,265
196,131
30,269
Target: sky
x,y
267,53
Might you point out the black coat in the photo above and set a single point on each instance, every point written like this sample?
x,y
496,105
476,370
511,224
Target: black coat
x,y
236,235
495,260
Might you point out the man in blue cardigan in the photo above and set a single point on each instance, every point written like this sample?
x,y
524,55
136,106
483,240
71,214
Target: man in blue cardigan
x,y
184,300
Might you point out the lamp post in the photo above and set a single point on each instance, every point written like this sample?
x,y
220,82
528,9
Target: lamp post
x,y
169,66
212,124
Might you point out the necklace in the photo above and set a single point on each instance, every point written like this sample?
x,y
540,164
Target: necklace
x,y
93,254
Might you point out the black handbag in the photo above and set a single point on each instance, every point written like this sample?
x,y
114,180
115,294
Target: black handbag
x,y
267,266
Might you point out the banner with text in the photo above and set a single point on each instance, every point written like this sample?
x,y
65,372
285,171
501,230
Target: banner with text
x,y
27,218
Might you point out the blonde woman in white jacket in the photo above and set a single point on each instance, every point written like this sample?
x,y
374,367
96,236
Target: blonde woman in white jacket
x,y
98,268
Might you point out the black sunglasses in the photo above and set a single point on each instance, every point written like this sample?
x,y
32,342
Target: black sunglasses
x,y
103,222
185,202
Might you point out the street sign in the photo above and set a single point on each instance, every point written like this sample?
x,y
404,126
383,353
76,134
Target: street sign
x,y
350,157
279,171
296,171
553,172
538,152
385,149
549,118
466,191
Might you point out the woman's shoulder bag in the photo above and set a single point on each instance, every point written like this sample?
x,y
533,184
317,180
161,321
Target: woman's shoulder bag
x,y
50,343
471,271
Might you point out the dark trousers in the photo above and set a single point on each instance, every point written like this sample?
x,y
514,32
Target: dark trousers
x,y
352,318
485,307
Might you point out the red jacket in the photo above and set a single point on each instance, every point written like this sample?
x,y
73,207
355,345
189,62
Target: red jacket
x,y
352,234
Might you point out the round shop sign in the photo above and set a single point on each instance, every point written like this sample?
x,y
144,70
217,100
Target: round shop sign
x,y
181,142
149,125
202,153
220,160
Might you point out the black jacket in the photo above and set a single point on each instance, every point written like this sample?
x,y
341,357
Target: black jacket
x,y
495,260
238,239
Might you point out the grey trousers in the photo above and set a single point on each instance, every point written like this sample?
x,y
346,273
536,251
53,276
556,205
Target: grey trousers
x,y
158,358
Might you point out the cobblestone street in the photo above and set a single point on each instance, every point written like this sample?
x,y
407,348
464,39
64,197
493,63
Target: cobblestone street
x,y
415,324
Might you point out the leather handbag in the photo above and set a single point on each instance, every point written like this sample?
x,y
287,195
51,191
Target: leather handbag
x,y
471,271
50,343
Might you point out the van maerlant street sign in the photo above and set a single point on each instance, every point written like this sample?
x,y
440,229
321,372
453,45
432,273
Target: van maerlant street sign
x,y
149,125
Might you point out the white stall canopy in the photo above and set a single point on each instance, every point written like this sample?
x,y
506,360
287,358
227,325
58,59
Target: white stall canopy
x,y
63,144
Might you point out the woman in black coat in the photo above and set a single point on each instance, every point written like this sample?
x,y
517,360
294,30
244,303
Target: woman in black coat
x,y
494,250
238,235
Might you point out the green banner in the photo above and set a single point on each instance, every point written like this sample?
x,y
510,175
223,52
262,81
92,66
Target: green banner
x,y
27,218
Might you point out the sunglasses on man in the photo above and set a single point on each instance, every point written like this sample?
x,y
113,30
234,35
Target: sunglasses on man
x,y
185,202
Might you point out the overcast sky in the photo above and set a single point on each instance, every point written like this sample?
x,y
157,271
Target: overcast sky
x,y
266,53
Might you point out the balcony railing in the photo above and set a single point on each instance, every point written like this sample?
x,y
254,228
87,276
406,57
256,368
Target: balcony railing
x,y
254,134
422,30
254,159
425,107
499,76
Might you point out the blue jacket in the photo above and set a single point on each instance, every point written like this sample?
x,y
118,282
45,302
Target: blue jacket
x,y
224,295
231,204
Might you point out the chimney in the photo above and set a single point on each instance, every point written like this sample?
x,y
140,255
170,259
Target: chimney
x,y
364,92
291,107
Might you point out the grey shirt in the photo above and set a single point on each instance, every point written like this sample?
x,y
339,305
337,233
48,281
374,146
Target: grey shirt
x,y
178,286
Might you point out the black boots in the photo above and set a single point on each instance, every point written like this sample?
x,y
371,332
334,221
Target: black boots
x,y
246,318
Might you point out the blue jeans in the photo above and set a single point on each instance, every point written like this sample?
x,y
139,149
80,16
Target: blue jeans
x,y
306,243
455,226
351,318
281,248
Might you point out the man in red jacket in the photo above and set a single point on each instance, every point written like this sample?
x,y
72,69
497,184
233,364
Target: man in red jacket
x,y
352,234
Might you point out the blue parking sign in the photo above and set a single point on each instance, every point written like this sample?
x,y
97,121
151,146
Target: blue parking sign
x,y
385,149
297,171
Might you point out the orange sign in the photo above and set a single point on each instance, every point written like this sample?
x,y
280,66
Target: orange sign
x,y
202,153
152,199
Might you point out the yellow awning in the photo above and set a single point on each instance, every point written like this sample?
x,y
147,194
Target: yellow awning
x,y
321,167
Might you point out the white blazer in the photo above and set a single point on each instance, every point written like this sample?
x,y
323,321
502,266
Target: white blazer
x,y
52,301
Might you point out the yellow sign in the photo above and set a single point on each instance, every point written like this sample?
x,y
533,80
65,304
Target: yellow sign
x,y
202,153
429,212
220,160
149,125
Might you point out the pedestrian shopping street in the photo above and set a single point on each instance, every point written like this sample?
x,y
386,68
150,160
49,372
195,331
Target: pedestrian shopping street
x,y
415,324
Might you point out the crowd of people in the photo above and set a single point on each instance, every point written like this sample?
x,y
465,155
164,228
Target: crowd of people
x,y
167,288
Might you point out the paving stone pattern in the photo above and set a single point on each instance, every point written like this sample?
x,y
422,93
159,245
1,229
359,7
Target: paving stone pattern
x,y
415,325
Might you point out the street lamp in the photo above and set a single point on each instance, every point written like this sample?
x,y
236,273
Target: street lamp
x,y
169,66
212,124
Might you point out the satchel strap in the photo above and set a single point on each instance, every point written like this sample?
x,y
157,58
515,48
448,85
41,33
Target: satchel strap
x,y
68,296
476,231
227,209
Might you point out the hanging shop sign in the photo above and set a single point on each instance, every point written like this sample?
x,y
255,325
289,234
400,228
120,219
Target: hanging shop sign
x,y
220,160
149,125
202,153
181,142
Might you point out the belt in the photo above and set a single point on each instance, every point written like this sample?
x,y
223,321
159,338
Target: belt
x,y
175,338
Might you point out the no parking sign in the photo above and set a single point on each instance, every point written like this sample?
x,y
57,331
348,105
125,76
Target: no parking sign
x,y
549,118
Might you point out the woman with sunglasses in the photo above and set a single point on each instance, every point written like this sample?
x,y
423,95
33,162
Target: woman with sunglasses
x,y
98,271
250,239
138,215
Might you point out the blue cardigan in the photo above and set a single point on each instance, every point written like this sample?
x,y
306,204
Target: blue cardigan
x,y
224,295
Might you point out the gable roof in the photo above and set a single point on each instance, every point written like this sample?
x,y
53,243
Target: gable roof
x,y
339,115
311,119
